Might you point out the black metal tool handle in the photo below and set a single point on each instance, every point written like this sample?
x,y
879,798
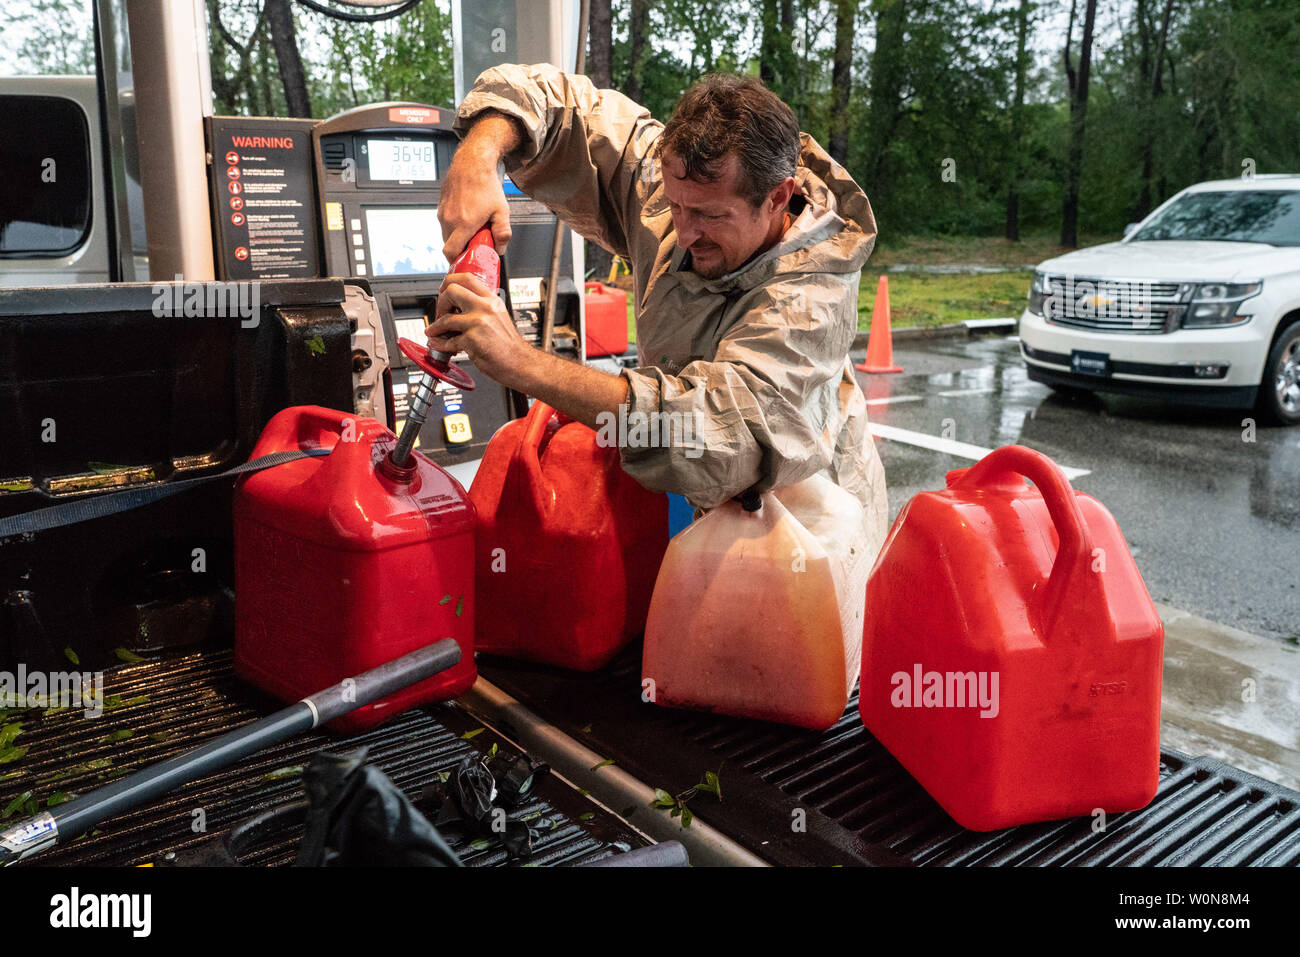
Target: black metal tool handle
x,y
79,815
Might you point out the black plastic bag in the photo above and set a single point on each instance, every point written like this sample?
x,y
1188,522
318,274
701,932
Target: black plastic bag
x,y
357,817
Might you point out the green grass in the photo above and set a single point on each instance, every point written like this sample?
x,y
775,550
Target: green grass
x,y
974,250
920,299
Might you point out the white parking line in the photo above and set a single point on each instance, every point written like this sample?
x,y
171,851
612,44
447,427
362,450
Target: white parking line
x,y
951,393
886,399
961,449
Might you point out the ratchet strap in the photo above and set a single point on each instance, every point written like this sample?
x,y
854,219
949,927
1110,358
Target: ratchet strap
x,y
101,506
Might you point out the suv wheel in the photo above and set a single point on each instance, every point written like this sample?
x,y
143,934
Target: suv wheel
x,y
1279,392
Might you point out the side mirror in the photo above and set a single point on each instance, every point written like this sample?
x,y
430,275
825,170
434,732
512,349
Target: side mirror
x,y
1129,228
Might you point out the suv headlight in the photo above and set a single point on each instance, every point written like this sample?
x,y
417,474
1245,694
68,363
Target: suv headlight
x,y
1038,291
1216,303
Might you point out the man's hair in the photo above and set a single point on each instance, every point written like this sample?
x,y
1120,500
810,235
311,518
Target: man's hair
x,y
724,114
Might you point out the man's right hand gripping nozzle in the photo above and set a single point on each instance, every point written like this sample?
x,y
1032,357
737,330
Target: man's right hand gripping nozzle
x,y
472,194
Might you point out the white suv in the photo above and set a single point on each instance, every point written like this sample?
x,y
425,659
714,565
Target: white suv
x,y
1199,302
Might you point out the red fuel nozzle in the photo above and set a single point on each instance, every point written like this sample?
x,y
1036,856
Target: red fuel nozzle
x,y
479,259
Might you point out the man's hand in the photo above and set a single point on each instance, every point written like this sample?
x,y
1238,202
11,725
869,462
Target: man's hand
x,y
472,195
472,318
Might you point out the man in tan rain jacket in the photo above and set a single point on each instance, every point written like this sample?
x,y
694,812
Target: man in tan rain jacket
x,y
746,242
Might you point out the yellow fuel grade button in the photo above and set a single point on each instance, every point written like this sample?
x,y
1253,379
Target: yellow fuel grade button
x,y
457,427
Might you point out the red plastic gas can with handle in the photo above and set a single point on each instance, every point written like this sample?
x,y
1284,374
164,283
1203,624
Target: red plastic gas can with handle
x,y
339,569
1012,655
568,544
606,312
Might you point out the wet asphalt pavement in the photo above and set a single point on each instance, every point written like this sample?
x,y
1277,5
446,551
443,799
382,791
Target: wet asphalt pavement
x,y
1213,520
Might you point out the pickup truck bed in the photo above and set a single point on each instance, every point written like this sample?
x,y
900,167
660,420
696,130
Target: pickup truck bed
x,y
862,807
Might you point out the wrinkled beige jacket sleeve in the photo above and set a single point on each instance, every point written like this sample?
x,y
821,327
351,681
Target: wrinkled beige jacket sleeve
x,y
763,373
584,147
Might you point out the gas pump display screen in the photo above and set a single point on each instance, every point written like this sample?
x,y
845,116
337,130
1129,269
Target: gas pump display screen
x,y
405,241
401,160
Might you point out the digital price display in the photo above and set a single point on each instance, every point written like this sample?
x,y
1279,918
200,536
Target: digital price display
x,y
401,160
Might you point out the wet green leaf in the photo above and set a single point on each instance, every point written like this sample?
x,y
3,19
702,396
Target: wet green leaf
x,y
460,605
126,654
586,815
113,701
8,733
469,735
57,798
492,751
663,799
603,764
687,817
121,734
444,599
14,805
316,344
711,784
71,656
11,753
479,844
279,774
16,486
677,810
586,729
162,735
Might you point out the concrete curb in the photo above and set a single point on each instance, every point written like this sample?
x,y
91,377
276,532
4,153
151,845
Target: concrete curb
x,y
1231,695
956,330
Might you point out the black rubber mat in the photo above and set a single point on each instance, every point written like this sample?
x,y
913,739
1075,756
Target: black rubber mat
x,y
154,710
838,797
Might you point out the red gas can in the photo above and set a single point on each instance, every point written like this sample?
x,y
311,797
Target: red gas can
x,y
338,568
1011,655
606,320
568,544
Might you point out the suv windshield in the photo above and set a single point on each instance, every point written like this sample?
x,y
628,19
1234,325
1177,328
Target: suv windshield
x,y
1269,216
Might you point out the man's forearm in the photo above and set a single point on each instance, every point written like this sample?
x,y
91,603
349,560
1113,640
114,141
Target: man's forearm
x,y
580,392
493,136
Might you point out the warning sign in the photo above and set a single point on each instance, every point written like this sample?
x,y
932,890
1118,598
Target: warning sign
x,y
262,170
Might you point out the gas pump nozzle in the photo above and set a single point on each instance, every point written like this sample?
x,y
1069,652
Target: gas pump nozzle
x,y
479,259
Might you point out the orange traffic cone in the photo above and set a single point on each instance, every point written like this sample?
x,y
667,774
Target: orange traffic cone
x,y
880,340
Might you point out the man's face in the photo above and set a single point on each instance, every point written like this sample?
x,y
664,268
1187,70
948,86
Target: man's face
x,y
721,229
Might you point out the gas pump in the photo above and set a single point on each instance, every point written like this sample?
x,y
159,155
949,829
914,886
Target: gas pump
x,y
379,176
356,197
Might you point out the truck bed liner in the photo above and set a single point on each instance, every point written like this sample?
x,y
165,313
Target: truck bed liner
x,y
860,805
171,705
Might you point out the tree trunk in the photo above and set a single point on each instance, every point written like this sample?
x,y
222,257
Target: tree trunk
x,y
767,45
1018,120
1078,116
280,18
1146,199
887,69
601,45
638,37
842,79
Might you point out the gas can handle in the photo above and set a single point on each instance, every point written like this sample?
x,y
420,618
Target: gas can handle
x,y
1075,548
